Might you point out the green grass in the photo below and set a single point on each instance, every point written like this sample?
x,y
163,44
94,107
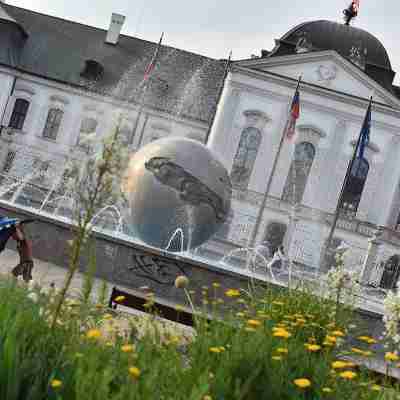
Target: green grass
x,y
227,359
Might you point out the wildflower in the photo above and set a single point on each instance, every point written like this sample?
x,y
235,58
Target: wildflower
x,y
364,353
367,339
376,388
216,285
250,329
135,372
118,299
331,339
93,334
240,314
214,350
282,350
327,390
389,356
232,293
313,347
302,383
348,375
278,303
127,348
254,323
181,282
338,333
107,316
300,321
55,383
339,364
281,333
276,358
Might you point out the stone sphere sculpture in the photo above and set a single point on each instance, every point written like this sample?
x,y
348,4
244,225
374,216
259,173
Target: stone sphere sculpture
x,y
179,194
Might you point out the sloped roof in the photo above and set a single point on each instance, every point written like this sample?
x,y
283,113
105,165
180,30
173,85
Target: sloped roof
x,y
182,83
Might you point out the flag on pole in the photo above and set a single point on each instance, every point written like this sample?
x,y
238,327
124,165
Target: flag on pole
x,y
150,67
293,116
365,132
7,228
356,6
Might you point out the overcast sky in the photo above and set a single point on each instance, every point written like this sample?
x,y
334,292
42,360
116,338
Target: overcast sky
x,y
212,28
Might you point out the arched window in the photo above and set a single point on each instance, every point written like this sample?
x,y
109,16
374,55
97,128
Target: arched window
x,y
53,123
299,171
19,114
274,236
355,185
88,126
245,157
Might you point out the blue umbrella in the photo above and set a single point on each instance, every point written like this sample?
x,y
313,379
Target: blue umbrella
x,y
7,228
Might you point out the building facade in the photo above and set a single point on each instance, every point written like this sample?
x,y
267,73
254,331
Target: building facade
x,y
61,81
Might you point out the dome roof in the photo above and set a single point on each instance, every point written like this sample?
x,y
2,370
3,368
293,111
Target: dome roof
x,y
352,43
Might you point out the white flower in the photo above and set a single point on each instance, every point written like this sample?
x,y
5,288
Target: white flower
x,y
33,296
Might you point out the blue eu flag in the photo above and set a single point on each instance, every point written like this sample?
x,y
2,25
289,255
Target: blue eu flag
x,y
365,131
7,227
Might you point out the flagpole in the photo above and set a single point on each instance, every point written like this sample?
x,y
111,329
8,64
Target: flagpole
x,y
144,91
270,178
342,191
227,66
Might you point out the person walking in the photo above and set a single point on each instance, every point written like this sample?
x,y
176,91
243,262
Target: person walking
x,y
24,248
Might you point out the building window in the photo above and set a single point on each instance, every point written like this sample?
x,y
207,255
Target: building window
x,y
355,185
88,127
53,123
274,236
9,161
19,114
246,154
299,171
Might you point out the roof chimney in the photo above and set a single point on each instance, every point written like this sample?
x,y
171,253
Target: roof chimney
x,y
117,20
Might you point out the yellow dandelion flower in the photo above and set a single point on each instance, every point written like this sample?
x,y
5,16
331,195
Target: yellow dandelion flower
x,y
282,333
337,333
276,358
389,356
127,348
300,321
118,299
339,364
254,323
222,348
232,293
214,350
282,350
93,334
302,383
312,347
376,388
367,339
331,339
135,372
348,375
327,390
55,383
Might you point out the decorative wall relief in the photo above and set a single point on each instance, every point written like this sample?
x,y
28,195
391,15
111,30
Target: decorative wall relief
x,y
326,74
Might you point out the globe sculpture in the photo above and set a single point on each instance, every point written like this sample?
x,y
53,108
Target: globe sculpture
x,y
179,194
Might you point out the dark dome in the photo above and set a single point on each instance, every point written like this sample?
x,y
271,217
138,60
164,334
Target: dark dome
x,y
328,35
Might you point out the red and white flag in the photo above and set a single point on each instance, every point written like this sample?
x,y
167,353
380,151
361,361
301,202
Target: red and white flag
x,y
150,67
356,6
294,115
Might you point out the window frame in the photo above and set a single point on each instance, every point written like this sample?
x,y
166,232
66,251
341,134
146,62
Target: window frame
x,y
52,127
19,115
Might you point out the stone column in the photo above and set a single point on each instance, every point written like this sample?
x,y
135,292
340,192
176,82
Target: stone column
x,y
374,244
293,220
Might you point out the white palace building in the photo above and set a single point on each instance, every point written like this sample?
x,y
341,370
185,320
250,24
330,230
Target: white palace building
x,y
61,80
